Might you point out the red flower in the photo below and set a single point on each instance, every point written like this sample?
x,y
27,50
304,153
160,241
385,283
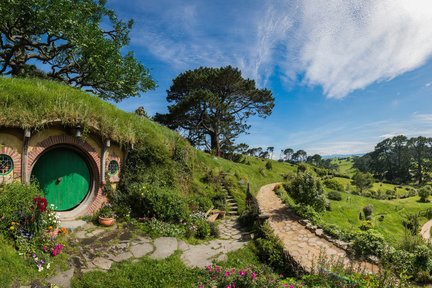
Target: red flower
x,y
41,203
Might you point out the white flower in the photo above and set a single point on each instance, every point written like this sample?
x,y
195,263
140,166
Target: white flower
x,y
48,265
40,268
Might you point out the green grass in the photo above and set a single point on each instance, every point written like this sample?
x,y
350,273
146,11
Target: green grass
x,y
345,214
34,103
170,272
345,166
400,190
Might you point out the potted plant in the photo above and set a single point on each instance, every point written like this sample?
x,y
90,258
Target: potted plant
x,y
106,216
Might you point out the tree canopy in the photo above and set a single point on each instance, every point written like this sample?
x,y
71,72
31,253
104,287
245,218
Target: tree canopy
x,y
64,40
399,159
211,106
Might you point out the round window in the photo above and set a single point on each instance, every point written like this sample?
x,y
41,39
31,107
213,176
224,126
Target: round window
x,y
6,164
113,167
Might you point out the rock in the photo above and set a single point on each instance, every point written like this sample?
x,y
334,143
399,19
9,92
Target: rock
x,y
183,246
63,279
102,263
164,247
122,256
140,250
319,232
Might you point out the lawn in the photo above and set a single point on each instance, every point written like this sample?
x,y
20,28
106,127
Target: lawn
x,y
345,214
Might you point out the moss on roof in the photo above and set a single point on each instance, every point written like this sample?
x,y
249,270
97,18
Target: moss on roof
x,y
34,103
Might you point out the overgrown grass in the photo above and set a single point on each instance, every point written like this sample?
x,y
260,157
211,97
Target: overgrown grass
x,y
170,272
34,103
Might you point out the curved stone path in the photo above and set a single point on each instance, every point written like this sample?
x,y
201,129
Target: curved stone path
x,y
302,245
425,230
96,248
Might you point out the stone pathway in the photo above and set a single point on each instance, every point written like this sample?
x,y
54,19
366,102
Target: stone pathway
x,y
425,230
97,248
304,246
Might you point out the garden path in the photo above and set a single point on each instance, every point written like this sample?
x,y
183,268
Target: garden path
x,y
96,248
425,230
304,246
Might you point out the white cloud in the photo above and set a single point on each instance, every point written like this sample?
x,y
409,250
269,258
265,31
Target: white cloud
x,y
348,45
340,45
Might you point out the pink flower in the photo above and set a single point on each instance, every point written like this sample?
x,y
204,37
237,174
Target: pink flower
x,y
281,275
242,273
209,267
218,269
253,276
227,273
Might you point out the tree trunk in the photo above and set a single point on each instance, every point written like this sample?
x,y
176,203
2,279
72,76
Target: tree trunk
x,y
215,145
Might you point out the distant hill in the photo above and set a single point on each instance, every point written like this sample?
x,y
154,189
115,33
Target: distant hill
x,y
335,156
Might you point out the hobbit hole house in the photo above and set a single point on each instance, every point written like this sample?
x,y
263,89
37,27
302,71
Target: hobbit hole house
x,y
70,168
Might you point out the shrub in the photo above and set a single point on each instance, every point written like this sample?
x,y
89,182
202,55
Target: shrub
x,y
307,189
16,200
412,223
369,242
366,225
424,193
333,184
161,204
367,210
269,165
334,195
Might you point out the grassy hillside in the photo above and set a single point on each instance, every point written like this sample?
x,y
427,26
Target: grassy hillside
x,y
345,166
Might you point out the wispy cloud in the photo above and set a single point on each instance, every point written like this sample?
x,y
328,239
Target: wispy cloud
x,y
337,44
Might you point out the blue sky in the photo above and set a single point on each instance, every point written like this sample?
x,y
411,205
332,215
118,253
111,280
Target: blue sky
x,y
345,74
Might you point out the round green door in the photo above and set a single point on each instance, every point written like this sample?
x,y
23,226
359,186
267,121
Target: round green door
x,y
63,176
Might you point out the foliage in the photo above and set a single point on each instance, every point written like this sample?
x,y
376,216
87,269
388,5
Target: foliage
x,y
363,180
156,228
241,278
68,38
367,210
106,212
334,195
270,250
211,105
369,242
161,204
269,165
16,201
397,159
307,189
412,223
333,184
199,227
424,193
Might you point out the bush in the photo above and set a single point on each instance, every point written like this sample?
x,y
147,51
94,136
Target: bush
x,y
334,195
366,225
424,193
161,204
333,184
369,242
367,210
269,165
16,200
307,189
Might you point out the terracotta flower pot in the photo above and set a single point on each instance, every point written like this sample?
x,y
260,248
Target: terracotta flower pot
x,y
106,221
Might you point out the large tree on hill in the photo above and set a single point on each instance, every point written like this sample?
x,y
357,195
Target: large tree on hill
x,y
421,151
211,106
64,40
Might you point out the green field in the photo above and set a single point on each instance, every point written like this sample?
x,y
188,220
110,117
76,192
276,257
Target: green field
x,y
345,166
345,214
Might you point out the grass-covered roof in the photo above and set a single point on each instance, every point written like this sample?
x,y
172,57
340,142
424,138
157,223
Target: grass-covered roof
x,y
34,103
